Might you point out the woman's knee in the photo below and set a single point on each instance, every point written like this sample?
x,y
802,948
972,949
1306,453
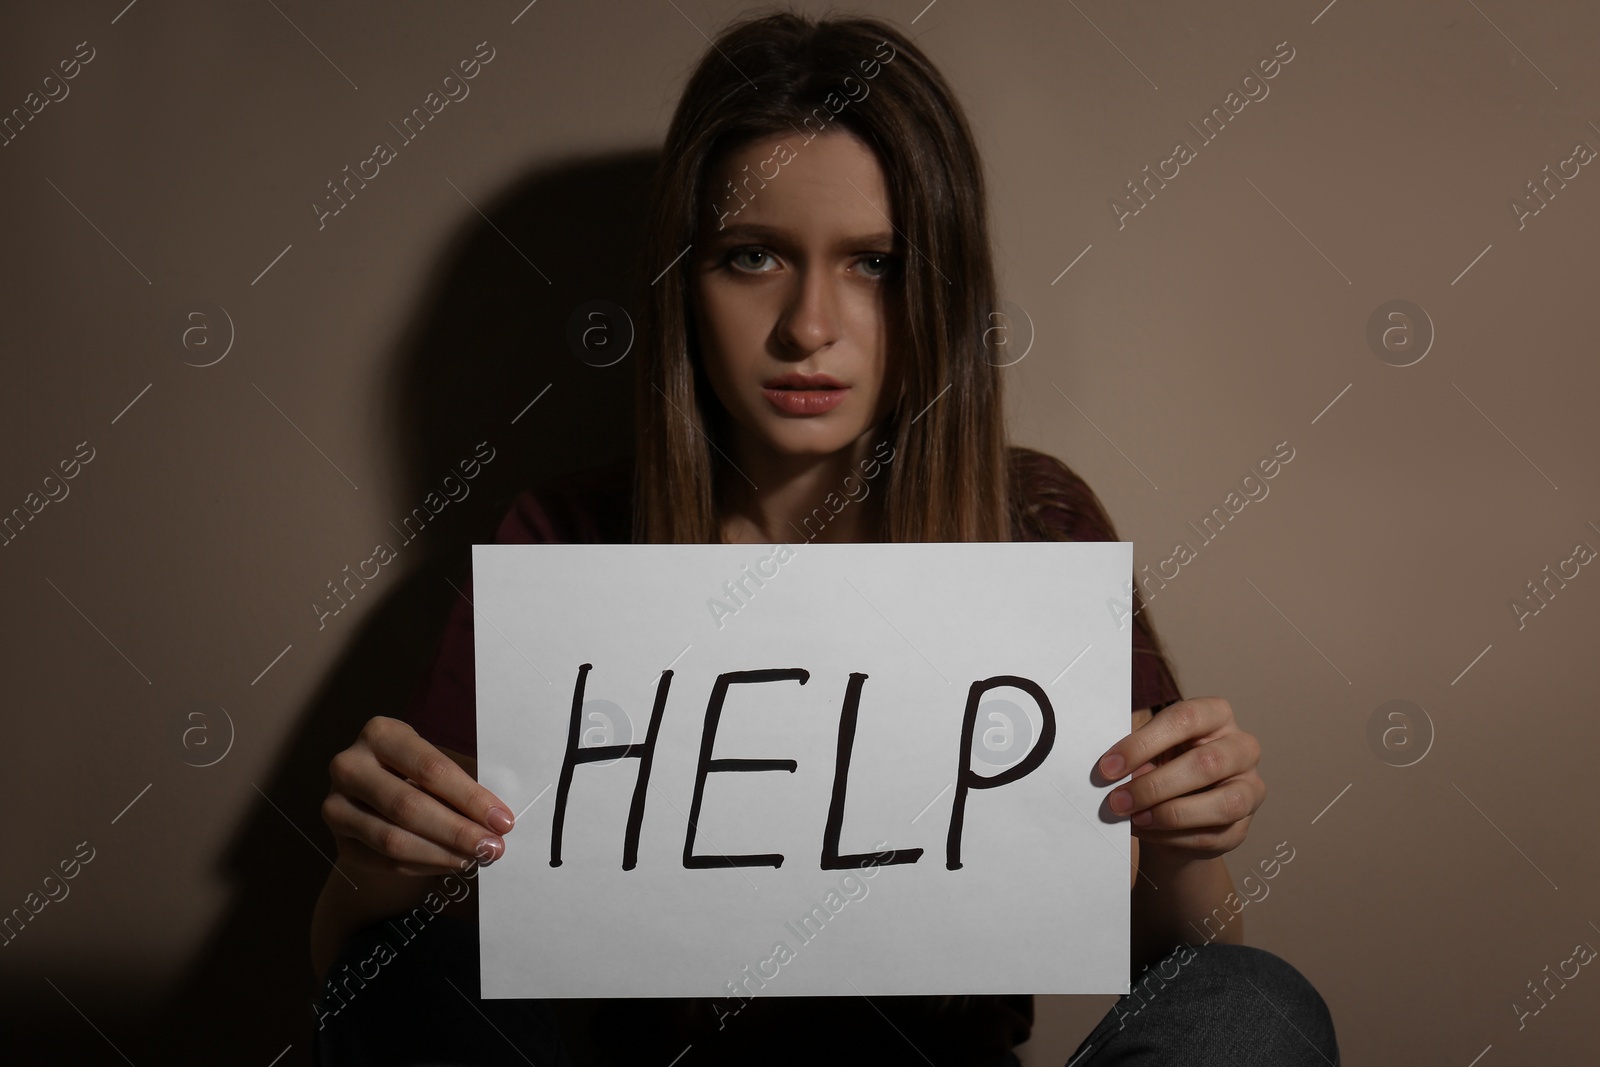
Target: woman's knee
x,y
1204,1004
1275,980
1263,969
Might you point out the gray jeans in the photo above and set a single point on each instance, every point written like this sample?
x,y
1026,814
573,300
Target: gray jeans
x,y
1211,1005
415,1002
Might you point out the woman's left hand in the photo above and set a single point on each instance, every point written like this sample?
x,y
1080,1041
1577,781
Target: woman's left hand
x,y
1194,786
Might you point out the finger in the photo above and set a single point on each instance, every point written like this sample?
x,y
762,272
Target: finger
x,y
466,763
357,773
1175,724
416,812
1224,804
399,748
353,822
1197,768
1205,841
358,854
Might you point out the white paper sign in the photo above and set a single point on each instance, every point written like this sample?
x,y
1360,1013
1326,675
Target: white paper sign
x,y
712,740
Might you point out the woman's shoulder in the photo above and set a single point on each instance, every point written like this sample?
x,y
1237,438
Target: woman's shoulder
x,y
1051,502
589,506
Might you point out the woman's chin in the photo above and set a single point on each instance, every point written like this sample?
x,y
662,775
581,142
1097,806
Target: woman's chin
x,y
810,445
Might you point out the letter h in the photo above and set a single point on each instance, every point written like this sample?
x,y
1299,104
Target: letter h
x,y
576,754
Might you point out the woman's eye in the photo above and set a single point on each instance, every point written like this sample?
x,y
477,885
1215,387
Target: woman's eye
x,y
885,266
748,259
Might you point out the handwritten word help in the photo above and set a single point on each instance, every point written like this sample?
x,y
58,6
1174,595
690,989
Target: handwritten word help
x,y
966,777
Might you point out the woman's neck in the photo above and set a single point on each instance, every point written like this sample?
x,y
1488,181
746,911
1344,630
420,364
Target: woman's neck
x,y
774,498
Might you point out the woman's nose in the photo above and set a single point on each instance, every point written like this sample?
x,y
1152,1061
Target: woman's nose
x,y
811,321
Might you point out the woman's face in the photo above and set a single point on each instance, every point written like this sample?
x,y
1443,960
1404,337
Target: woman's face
x,y
796,291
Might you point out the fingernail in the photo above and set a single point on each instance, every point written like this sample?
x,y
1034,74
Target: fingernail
x,y
488,851
1112,766
1144,818
500,820
1121,801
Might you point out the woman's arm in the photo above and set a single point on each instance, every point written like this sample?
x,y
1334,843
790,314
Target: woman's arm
x,y
1173,898
396,810
374,891
1191,807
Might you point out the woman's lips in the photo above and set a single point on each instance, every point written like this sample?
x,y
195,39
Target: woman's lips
x,y
805,401
804,394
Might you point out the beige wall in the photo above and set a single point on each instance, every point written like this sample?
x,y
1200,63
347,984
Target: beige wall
x,y
1219,321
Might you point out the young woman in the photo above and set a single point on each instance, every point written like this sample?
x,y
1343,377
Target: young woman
x,y
825,292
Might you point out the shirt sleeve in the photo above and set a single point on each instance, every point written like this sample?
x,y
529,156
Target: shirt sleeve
x,y
443,710
1063,503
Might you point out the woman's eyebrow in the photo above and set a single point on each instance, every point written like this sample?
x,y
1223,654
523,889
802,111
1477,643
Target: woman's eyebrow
x,y
776,235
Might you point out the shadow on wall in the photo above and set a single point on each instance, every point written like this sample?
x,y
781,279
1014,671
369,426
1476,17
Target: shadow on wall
x,y
489,335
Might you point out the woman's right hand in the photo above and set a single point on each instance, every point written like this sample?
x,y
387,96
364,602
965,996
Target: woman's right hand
x,y
404,805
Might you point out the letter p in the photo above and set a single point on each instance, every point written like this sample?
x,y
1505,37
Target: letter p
x,y
967,778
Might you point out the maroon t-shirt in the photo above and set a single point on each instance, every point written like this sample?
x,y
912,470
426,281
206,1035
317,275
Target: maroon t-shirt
x,y
595,508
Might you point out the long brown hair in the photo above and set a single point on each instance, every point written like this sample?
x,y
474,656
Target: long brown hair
x,y
949,479
953,476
